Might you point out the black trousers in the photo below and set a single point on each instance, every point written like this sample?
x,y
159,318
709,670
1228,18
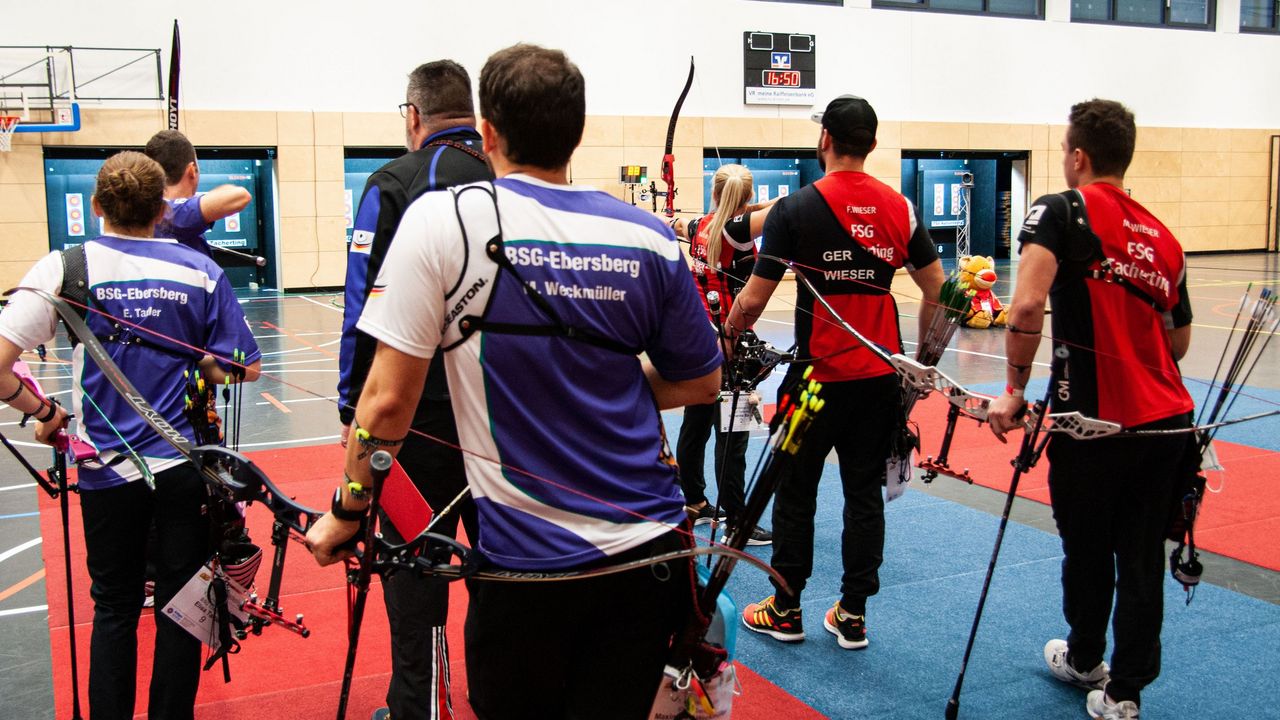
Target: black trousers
x,y
116,523
576,649
730,461
857,421
417,607
1111,500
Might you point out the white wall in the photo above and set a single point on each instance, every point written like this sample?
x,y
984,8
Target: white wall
x,y
325,55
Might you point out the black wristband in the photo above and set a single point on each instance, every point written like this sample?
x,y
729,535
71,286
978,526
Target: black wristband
x,y
1015,329
53,411
342,513
16,393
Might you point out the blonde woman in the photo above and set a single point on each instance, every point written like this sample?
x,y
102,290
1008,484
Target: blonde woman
x,y
722,246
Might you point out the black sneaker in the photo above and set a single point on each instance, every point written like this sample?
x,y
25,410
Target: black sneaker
x,y
707,514
850,630
760,536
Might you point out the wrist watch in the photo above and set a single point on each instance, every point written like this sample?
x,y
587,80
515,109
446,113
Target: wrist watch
x,y
342,513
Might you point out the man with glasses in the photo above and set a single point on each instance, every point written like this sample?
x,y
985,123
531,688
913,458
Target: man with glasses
x,y
440,130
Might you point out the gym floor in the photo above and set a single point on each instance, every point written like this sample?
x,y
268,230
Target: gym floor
x,y
294,405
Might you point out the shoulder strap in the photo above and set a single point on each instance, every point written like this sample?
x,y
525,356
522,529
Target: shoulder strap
x,y
75,289
445,142
495,251
1099,265
75,284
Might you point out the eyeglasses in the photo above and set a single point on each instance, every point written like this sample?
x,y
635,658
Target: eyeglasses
x,y
404,109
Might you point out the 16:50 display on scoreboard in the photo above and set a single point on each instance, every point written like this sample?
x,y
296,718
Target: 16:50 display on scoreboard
x,y
779,68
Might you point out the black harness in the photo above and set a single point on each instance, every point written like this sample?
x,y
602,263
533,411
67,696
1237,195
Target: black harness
x,y
75,288
485,280
1099,266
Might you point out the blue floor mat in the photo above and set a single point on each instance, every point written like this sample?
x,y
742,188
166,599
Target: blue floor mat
x,y
1220,653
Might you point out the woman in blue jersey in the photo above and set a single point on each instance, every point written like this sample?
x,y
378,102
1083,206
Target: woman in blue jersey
x,y
134,281
728,235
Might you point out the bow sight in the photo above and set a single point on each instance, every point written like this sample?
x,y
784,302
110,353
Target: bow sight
x,y
753,361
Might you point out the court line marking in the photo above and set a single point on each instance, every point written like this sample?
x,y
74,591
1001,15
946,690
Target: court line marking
x,y
15,550
15,516
296,362
287,442
272,399
294,336
24,610
290,402
322,438
17,487
21,585
323,305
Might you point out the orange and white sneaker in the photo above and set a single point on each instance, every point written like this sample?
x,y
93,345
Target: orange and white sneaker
x,y
850,630
765,617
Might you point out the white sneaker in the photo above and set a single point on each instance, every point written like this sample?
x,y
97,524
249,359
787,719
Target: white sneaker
x,y
1101,706
1055,656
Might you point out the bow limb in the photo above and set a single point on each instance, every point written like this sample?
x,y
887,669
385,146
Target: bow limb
x,y
668,157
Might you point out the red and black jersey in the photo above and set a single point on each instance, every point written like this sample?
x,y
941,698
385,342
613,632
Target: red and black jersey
x,y
1121,283
737,257
851,233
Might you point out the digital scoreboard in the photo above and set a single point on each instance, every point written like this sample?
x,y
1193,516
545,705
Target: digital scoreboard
x,y
778,68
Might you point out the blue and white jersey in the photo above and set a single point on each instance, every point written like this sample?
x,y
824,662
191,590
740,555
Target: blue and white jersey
x,y
155,284
585,473
184,221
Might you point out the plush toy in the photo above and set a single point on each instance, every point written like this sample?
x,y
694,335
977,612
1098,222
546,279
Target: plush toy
x,y
985,309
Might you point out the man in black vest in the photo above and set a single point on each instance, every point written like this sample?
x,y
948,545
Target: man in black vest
x,y
446,150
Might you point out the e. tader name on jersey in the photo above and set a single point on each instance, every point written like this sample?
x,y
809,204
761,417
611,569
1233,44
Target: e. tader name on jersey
x,y
137,293
561,260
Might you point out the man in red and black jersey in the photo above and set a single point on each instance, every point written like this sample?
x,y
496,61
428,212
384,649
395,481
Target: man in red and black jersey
x,y
852,233
1116,279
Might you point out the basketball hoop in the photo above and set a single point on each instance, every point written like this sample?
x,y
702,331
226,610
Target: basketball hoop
x,y
8,123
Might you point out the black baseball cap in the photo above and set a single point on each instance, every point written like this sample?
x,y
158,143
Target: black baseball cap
x,y
845,116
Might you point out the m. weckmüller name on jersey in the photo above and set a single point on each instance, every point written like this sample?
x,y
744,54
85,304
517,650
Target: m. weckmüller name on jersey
x,y
137,293
577,292
561,260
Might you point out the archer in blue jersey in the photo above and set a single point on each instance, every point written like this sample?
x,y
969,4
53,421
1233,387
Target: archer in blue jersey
x,y
135,281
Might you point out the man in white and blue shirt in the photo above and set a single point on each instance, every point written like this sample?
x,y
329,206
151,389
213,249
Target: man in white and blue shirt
x,y
557,414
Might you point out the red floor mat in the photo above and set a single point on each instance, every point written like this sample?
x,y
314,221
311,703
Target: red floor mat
x,y
1241,520
279,674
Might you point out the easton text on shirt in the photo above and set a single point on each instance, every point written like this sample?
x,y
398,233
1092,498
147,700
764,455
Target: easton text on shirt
x,y
461,305
561,260
137,293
